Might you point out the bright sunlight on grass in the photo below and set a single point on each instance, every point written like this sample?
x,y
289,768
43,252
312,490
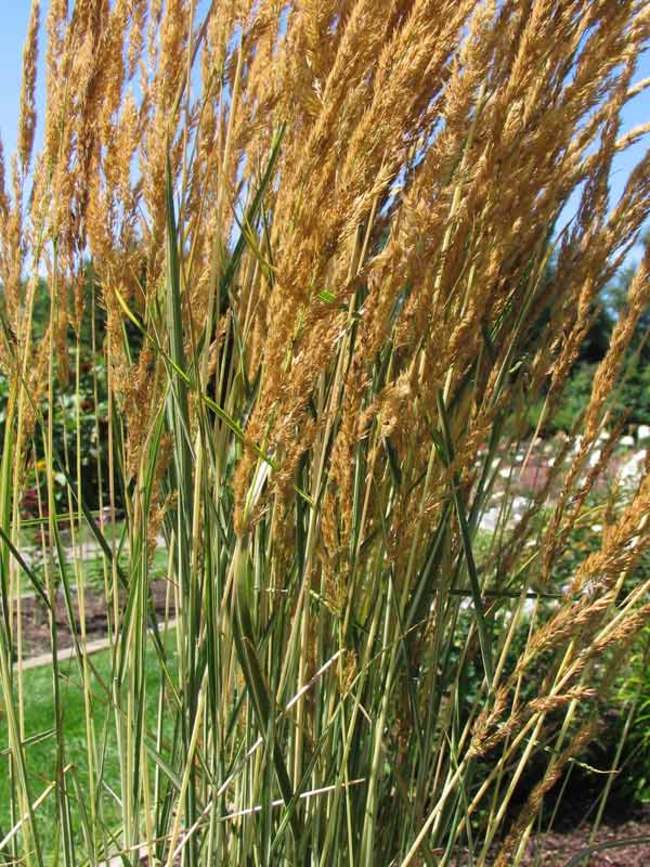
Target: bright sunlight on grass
x,y
323,338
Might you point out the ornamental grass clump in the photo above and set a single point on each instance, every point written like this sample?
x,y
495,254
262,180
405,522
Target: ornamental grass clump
x,y
323,251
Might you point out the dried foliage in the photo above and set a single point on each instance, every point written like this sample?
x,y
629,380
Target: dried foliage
x,y
328,240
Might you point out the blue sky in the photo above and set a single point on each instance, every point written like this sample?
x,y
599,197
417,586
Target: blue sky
x,y
14,16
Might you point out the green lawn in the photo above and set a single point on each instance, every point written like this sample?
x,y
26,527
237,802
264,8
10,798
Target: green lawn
x,y
40,755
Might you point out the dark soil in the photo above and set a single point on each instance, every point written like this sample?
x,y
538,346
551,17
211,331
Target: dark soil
x,y
36,626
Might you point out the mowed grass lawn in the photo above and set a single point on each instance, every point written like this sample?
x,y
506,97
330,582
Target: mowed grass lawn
x,y
40,750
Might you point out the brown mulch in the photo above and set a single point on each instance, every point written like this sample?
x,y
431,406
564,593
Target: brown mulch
x,y
36,627
556,849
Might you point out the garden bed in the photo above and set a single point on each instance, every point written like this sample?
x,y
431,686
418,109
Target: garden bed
x,y
556,849
35,624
